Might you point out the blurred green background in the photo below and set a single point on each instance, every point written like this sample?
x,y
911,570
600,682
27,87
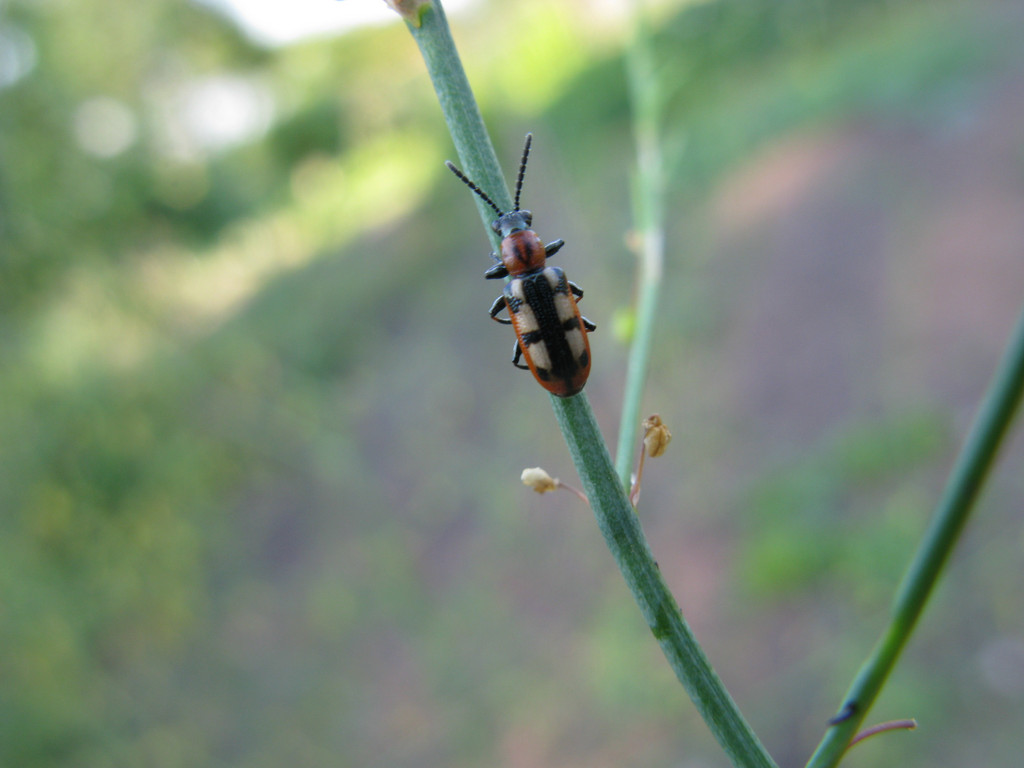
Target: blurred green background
x,y
260,443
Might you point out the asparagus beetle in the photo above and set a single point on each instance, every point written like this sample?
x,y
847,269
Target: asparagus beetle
x,y
551,334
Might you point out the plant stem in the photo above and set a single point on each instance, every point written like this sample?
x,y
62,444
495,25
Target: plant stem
x,y
607,494
472,142
649,225
955,505
625,538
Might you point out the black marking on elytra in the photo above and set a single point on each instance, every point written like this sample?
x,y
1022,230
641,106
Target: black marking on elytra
x,y
540,296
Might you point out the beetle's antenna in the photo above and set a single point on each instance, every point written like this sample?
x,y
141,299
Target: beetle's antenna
x,y
474,187
522,168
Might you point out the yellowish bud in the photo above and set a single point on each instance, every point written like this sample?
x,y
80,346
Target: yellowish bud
x,y
539,480
656,436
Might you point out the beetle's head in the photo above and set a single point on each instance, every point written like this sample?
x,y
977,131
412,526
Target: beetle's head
x,y
513,221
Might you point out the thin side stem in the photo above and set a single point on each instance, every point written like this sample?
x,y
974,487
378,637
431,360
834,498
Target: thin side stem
x,y
965,483
649,225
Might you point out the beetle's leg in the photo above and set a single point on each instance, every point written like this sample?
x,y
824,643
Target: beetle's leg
x,y
498,305
552,248
517,355
498,270
576,290
587,324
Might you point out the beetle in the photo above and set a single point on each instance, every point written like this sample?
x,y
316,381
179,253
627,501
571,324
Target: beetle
x,y
551,334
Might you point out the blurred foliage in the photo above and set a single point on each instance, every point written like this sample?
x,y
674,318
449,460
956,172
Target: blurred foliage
x,y
254,426
829,497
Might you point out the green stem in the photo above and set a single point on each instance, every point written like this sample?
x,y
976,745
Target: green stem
x,y
625,538
649,224
615,515
472,142
966,481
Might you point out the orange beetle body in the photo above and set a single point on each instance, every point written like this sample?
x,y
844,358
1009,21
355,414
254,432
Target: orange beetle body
x,y
541,303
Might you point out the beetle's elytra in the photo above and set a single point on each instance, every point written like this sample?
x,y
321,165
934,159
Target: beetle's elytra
x,y
551,334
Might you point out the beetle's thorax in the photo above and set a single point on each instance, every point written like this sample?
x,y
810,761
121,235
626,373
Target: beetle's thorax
x,y
522,251
513,221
